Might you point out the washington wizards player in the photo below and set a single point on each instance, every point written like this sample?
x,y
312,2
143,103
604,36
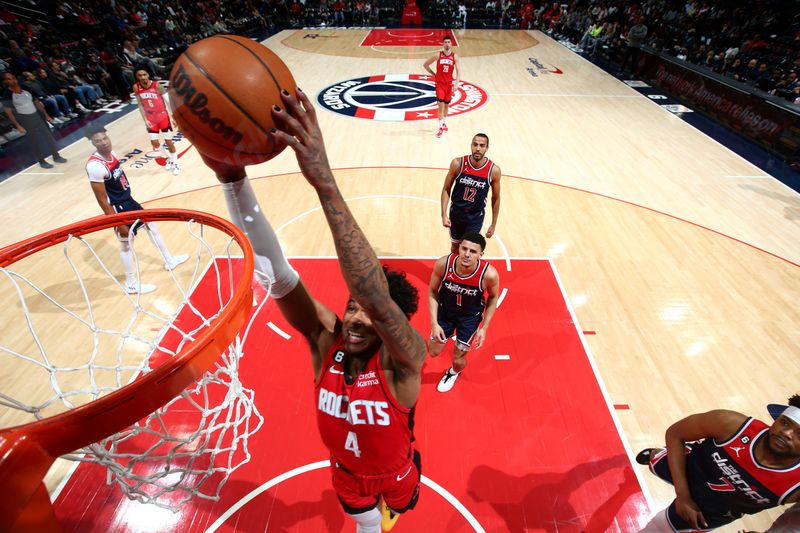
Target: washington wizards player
x,y
113,193
457,298
724,465
466,190
367,365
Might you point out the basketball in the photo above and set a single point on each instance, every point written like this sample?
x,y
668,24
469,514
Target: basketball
x,y
221,90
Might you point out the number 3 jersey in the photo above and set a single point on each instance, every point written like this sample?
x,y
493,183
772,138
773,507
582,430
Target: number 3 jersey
x,y
728,478
366,430
470,189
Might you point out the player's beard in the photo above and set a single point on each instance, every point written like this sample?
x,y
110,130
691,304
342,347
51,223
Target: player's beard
x,y
785,451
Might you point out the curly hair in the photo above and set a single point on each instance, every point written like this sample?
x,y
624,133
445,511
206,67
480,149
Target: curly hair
x,y
795,400
404,294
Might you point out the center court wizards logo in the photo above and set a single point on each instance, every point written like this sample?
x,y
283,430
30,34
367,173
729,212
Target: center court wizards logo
x,y
396,97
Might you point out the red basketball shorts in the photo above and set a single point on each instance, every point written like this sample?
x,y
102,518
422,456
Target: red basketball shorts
x,y
160,124
444,92
358,494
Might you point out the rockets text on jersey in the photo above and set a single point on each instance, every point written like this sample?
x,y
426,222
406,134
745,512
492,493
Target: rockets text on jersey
x,y
152,101
361,423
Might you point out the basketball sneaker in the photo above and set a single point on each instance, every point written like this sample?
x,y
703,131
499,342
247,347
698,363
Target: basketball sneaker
x,y
168,165
176,168
447,381
175,260
440,132
445,128
139,288
644,456
388,517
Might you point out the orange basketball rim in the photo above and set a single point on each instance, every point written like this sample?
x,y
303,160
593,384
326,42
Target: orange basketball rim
x,y
28,451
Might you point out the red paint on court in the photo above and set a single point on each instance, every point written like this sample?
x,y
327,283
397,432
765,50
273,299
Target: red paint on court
x,y
524,445
407,37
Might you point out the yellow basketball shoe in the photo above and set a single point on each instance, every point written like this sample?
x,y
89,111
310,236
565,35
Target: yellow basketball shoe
x,y
388,517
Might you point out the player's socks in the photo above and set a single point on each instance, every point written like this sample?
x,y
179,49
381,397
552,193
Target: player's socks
x,y
158,242
388,517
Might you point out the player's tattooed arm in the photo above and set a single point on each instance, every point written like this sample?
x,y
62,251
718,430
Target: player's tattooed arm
x,y
360,267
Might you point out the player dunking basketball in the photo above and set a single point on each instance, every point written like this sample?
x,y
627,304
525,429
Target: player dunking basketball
x,y
447,63
466,189
153,106
462,287
367,365
113,193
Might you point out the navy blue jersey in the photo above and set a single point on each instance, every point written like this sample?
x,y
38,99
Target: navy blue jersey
x,y
118,189
462,295
727,481
729,473
470,189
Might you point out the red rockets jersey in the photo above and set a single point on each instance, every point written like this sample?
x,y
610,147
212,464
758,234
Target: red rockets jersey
x,y
366,430
445,66
153,103
728,473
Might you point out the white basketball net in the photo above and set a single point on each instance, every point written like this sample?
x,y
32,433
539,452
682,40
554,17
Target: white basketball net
x,y
189,447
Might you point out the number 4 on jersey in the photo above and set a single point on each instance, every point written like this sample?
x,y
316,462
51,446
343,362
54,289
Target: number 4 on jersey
x,y
352,444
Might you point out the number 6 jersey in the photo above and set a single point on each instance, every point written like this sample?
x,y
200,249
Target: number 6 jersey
x,y
366,430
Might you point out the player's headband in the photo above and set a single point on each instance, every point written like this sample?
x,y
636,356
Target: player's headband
x,y
789,411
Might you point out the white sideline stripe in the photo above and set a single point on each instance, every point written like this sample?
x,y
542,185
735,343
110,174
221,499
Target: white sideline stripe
x,y
609,404
278,330
324,464
441,491
502,357
60,487
42,173
502,296
551,95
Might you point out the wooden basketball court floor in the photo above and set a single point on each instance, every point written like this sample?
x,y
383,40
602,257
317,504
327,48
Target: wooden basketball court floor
x,y
678,265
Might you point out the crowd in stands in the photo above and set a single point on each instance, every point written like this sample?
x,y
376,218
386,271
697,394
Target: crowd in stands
x,y
755,42
82,54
